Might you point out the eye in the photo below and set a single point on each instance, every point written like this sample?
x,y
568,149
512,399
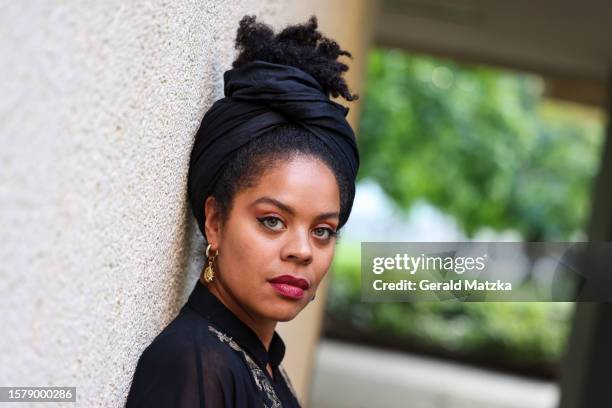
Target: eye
x,y
271,222
325,233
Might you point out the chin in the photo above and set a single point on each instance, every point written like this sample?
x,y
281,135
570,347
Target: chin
x,y
285,312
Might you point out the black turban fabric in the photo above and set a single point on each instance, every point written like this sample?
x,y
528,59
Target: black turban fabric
x,y
260,96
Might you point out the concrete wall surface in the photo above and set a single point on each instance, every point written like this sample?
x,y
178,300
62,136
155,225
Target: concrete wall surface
x,y
99,105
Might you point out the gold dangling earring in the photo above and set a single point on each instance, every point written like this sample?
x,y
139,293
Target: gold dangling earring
x,y
209,273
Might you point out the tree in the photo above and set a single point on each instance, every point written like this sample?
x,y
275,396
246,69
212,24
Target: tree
x,y
479,144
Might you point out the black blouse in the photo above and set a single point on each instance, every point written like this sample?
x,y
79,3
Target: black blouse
x,y
207,357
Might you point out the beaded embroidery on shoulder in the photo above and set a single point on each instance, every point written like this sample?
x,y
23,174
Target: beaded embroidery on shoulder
x,y
258,375
287,381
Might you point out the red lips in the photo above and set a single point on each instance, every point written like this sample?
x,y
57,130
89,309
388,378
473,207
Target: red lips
x,y
291,280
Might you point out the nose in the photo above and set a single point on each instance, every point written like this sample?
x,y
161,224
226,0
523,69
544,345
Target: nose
x,y
298,248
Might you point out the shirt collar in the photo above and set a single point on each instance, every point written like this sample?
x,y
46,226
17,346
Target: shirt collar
x,y
209,306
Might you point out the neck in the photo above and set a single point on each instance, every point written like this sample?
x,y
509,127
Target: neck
x,y
263,328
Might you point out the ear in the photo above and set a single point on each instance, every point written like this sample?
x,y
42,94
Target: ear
x,y
212,223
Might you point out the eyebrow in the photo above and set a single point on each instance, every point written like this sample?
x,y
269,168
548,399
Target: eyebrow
x,y
289,209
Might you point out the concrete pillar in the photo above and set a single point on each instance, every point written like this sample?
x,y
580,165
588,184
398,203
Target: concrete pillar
x,y
587,369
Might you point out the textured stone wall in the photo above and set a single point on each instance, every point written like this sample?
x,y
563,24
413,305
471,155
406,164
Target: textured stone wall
x,y
99,105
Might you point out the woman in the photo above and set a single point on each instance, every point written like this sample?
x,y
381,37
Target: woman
x,y
271,183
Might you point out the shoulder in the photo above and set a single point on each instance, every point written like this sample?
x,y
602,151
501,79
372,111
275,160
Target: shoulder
x,y
185,341
184,359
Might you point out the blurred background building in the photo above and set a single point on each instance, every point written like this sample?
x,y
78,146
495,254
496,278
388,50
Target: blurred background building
x,y
480,121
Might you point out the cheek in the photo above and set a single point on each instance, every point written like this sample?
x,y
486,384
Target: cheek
x,y
323,263
250,252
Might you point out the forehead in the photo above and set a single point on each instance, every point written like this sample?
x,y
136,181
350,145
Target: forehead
x,y
303,183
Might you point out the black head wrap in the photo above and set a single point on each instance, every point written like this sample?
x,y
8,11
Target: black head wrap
x,y
260,96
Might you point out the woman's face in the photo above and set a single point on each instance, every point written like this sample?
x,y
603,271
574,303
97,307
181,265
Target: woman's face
x,y
279,230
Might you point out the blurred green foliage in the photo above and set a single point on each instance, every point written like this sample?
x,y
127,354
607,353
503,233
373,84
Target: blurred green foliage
x,y
479,144
482,145
522,333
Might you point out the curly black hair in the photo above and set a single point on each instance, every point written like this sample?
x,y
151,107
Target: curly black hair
x,y
304,47
299,45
